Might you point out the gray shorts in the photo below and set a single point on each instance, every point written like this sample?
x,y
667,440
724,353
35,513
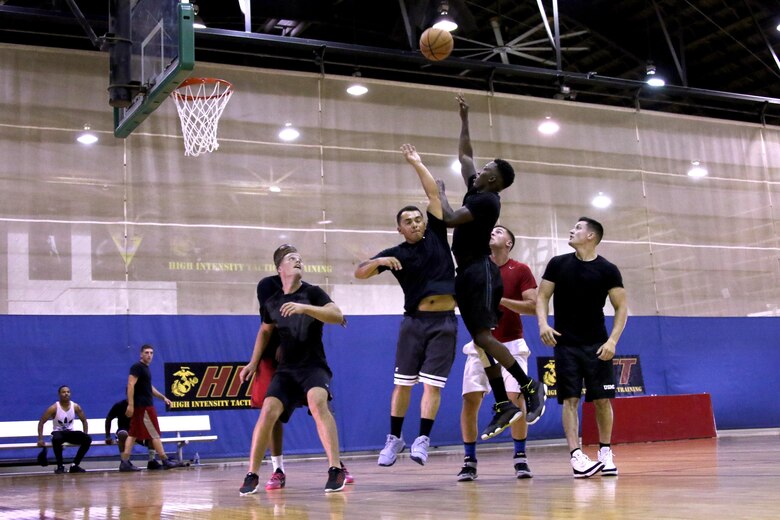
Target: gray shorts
x,y
426,348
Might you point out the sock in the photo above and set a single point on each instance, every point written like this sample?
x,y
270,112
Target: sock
x,y
426,425
602,445
470,449
396,425
517,373
519,446
499,390
278,462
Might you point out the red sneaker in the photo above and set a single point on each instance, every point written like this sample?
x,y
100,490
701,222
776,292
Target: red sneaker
x,y
348,478
276,481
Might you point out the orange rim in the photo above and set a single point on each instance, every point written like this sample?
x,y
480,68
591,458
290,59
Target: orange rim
x,y
202,81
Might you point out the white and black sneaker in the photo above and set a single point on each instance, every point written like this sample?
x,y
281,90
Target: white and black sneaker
x,y
521,466
505,413
469,470
582,466
605,457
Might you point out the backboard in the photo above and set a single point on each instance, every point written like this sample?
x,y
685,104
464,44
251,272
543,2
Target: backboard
x,y
154,51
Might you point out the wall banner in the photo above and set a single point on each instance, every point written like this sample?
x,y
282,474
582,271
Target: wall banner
x,y
206,386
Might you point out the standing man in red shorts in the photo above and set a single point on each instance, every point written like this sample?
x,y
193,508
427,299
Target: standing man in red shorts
x,y
141,411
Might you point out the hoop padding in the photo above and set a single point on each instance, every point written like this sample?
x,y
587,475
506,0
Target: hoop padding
x,y
200,102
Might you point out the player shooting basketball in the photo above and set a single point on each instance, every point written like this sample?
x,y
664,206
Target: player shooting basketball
x,y
478,285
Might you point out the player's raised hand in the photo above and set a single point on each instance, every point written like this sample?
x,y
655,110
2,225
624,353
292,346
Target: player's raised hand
x,y
410,154
464,107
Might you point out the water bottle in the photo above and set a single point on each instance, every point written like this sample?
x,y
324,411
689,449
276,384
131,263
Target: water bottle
x,y
196,460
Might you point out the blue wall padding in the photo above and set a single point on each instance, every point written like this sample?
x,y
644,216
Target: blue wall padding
x,y
733,359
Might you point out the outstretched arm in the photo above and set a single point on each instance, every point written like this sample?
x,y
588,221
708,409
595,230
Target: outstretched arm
x,y
426,179
371,267
465,152
451,217
329,313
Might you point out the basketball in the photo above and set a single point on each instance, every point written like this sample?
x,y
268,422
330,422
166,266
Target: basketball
x,y
436,44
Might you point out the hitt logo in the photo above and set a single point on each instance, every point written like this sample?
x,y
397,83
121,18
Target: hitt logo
x,y
186,381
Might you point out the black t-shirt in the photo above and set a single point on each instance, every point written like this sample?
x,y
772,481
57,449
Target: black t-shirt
x,y
265,289
300,335
142,396
471,241
118,412
427,265
581,290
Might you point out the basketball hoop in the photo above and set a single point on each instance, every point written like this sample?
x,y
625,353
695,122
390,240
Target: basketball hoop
x,y
200,102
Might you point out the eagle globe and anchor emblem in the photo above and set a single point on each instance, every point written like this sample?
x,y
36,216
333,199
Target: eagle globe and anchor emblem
x,y
549,376
186,381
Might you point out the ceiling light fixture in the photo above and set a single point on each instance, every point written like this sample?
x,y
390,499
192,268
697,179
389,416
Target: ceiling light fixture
x,y
87,137
651,78
274,189
198,22
444,21
289,133
356,89
455,166
601,201
697,170
548,126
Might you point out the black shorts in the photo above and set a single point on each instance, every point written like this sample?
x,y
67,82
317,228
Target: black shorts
x,y
478,290
426,348
575,365
290,386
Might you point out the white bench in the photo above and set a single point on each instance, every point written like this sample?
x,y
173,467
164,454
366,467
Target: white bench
x,y
169,424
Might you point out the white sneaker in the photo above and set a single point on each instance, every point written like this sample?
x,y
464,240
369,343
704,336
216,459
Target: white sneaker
x,y
419,450
393,446
583,467
605,457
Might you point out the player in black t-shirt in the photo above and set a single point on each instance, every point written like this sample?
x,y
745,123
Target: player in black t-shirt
x,y
265,371
581,283
142,413
425,351
298,312
478,285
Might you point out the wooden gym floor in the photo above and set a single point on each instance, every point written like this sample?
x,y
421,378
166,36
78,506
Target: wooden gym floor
x,y
731,477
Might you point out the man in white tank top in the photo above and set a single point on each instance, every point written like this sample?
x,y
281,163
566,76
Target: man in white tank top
x,y
63,413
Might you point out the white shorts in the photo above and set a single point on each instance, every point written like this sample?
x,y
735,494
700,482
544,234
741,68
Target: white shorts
x,y
474,378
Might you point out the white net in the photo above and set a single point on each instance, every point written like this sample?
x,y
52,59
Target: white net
x,y
200,102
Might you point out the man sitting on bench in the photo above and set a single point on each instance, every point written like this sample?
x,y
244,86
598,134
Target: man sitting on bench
x,y
63,413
